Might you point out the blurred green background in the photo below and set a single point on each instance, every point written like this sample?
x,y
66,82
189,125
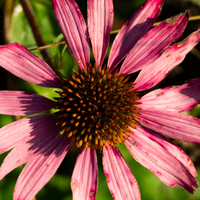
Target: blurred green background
x,y
14,27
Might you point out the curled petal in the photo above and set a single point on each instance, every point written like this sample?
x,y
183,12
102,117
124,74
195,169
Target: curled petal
x,y
120,180
100,20
22,103
151,45
84,178
40,170
181,98
22,63
159,160
172,124
140,22
158,70
74,29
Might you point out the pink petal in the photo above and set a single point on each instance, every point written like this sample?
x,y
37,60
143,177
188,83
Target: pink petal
x,y
120,180
159,160
179,99
84,178
40,170
73,27
171,148
140,22
28,148
21,62
150,46
158,70
172,124
22,103
100,20
24,129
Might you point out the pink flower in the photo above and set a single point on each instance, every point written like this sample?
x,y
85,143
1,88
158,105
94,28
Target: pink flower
x,y
99,107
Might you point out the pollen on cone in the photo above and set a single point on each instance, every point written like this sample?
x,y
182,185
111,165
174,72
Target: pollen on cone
x,y
95,107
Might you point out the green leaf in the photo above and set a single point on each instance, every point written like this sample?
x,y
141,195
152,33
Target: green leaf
x,y
5,119
56,51
21,31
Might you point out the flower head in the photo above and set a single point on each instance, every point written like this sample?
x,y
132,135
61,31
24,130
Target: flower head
x,y
99,106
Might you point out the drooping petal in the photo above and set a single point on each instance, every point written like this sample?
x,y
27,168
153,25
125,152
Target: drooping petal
x,y
179,99
172,149
22,103
140,22
29,147
24,129
21,62
40,170
73,27
120,180
159,160
85,176
100,20
158,70
150,46
172,124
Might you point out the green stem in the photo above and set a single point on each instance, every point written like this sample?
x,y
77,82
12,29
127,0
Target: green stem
x,y
8,9
36,32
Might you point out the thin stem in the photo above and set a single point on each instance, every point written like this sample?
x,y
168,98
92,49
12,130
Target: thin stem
x,y
42,47
46,46
36,32
193,18
195,52
8,9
